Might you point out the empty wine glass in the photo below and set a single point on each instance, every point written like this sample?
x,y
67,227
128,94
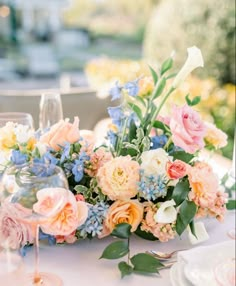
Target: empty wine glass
x,y
40,192
16,117
50,110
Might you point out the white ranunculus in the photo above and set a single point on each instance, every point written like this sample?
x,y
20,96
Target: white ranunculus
x,y
201,233
167,213
193,61
23,133
154,161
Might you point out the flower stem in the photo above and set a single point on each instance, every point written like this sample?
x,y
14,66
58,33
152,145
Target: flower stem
x,y
155,114
36,278
128,262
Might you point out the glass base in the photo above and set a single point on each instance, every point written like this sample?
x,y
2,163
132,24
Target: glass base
x,y
47,279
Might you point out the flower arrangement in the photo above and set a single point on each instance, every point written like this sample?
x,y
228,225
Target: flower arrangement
x,y
145,179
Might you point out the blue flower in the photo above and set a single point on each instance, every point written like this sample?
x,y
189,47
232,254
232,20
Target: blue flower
x,y
158,141
65,153
94,222
18,158
112,137
117,114
132,87
152,187
115,92
44,236
78,167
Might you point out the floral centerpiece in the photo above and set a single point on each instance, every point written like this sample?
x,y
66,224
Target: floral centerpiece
x,y
146,179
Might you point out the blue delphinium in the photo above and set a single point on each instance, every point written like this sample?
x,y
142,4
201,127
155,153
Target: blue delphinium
x,y
152,187
158,141
94,222
132,87
18,158
117,115
44,236
65,152
115,91
78,166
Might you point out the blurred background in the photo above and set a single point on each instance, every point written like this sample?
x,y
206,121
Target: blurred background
x,y
80,47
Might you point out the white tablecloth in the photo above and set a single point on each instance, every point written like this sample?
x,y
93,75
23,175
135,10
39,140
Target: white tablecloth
x,y
79,264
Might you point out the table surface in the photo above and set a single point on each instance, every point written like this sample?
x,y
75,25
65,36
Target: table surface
x,y
79,264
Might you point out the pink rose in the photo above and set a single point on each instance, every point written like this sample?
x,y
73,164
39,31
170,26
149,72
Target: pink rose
x,y
63,213
60,133
176,170
187,129
118,178
13,232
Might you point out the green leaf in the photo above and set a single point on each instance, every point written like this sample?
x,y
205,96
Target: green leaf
x,y
132,130
116,250
144,262
166,65
137,110
192,228
140,99
171,76
180,192
122,230
183,156
154,75
231,205
125,268
145,235
186,214
160,125
194,101
159,88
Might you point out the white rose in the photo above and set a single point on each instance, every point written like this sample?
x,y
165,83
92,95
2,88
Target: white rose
x,y
166,213
154,161
193,61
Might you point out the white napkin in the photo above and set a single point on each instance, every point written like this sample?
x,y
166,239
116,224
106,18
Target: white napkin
x,y
197,265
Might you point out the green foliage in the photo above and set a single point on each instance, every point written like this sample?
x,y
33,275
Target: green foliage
x,y
186,214
116,250
180,192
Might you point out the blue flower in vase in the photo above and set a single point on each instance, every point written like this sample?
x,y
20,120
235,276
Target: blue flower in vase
x,y
132,88
66,152
78,167
18,158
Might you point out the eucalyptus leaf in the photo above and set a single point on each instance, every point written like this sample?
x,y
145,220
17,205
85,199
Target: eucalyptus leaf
x,y
144,262
80,189
180,192
116,250
122,230
125,268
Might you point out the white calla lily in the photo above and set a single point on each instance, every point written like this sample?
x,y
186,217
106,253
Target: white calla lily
x,y
166,213
200,231
194,60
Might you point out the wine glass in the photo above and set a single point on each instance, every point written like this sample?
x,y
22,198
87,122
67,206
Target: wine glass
x,y
40,191
50,110
16,117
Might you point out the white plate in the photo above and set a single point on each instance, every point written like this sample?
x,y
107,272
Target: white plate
x,y
177,277
200,262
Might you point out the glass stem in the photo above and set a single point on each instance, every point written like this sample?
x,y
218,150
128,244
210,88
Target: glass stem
x,y
36,278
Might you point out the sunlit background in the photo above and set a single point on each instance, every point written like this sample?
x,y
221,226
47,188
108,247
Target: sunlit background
x,y
71,44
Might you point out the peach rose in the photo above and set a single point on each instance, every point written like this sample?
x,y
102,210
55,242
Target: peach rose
x,y
130,212
13,232
118,178
60,133
177,169
187,129
64,213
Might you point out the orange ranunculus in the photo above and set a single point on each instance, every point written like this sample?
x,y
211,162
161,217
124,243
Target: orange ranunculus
x,y
176,170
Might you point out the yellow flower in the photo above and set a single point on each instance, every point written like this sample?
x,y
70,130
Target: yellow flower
x,y
7,137
146,86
